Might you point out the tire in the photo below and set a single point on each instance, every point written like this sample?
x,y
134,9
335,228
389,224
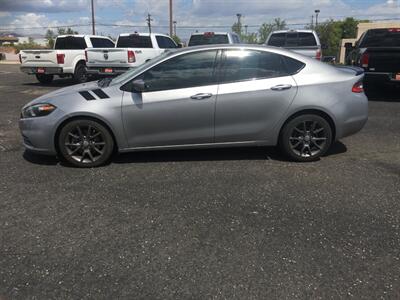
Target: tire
x,y
80,74
45,78
85,143
306,138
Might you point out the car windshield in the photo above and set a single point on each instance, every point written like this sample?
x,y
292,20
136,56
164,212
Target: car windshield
x,y
132,73
292,39
381,38
208,39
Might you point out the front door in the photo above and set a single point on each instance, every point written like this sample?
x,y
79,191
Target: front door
x,y
178,105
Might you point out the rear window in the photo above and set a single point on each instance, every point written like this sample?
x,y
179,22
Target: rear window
x,y
381,38
134,41
101,43
292,39
70,43
208,39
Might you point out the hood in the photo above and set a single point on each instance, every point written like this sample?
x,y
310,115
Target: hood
x,y
56,95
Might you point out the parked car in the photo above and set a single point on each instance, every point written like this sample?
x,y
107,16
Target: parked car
x,y
378,53
213,38
130,51
66,59
305,42
189,99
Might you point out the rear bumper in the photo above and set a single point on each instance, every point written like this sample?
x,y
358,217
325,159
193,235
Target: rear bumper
x,y
380,77
101,70
47,70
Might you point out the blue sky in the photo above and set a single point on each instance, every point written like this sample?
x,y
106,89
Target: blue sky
x,y
34,16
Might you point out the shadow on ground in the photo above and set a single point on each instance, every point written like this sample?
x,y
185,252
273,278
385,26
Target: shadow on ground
x,y
223,154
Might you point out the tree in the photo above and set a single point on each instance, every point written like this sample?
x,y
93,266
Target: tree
x,y
330,34
63,31
50,38
237,28
176,39
267,28
349,28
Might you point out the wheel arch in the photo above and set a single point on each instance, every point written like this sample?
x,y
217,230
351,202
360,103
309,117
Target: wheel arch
x,y
78,61
83,117
312,111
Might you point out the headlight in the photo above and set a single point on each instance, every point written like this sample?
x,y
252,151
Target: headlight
x,y
38,110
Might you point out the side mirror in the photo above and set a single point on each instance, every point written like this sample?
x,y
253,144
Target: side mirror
x,y
348,45
139,85
324,46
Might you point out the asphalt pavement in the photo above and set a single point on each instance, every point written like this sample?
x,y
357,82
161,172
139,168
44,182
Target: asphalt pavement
x,y
239,223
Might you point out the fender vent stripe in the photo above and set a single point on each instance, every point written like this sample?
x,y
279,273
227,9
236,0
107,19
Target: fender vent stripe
x,y
100,93
88,96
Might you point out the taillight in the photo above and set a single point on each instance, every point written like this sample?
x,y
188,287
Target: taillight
x,y
358,87
86,56
131,56
60,58
318,55
20,58
364,60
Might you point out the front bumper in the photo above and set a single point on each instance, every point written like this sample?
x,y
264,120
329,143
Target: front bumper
x,y
38,133
47,70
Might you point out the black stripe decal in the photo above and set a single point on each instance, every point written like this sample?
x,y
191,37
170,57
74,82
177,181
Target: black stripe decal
x,y
100,93
88,96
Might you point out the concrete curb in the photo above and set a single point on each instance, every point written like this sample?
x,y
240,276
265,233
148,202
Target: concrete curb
x,y
9,62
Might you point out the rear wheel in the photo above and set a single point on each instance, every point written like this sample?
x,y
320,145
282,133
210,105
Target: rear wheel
x,y
44,78
306,138
80,75
85,143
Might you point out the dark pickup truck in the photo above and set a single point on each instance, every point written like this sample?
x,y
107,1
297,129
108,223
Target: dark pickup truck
x,y
378,53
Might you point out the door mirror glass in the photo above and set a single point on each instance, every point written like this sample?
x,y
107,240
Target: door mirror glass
x,y
139,85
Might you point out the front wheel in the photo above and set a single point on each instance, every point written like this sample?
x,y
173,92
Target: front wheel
x,y
45,78
306,138
85,143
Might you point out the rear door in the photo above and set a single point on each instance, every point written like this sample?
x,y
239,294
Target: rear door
x,y
178,106
254,93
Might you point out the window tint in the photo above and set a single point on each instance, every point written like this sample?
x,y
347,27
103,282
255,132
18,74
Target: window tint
x,y
208,39
381,38
293,66
188,70
101,43
70,43
292,39
242,65
165,42
134,41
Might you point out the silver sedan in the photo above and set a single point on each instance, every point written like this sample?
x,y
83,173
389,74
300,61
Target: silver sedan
x,y
213,96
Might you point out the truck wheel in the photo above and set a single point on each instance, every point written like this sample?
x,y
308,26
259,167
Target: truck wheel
x,y
80,75
44,78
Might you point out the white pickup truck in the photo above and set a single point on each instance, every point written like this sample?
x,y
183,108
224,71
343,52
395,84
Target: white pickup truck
x,y
130,51
66,59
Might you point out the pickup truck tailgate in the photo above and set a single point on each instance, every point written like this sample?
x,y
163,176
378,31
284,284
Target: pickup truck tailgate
x,y
43,58
384,59
107,56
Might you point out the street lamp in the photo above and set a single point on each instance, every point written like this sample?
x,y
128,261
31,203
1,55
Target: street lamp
x,y
317,11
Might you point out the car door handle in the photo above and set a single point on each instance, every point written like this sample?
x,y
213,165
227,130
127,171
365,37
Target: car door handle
x,y
281,87
201,96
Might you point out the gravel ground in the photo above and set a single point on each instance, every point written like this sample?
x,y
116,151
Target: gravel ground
x,y
224,224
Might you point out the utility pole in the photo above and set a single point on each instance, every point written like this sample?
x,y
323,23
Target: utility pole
x,y
312,21
170,18
317,11
149,19
175,28
245,29
93,26
239,23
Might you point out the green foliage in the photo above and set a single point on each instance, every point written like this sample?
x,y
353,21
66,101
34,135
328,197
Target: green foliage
x,y
63,31
176,39
50,36
237,28
27,45
267,28
250,38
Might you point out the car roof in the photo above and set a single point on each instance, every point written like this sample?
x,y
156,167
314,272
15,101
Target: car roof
x,y
294,30
142,34
83,35
214,32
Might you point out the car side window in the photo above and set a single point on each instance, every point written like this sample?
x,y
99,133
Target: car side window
x,y
184,71
101,43
165,42
240,65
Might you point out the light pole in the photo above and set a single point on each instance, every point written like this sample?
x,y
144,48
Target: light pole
x,y
170,18
175,27
317,11
93,26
